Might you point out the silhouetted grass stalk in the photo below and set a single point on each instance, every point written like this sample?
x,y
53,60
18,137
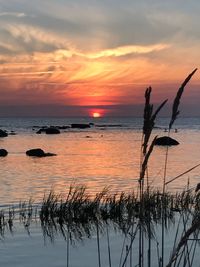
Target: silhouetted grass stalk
x,y
175,113
130,246
148,125
98,245
68,239
108,244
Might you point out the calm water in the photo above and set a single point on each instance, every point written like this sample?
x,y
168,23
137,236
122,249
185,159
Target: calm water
x,y
110,157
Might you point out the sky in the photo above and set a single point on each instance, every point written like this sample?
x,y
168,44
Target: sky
x,y
76,57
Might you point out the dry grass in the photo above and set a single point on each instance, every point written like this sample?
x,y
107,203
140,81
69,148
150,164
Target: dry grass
x,y
120,210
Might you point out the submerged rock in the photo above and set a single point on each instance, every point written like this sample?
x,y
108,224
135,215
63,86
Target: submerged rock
x,y
3,133
38,152
3,153
166,141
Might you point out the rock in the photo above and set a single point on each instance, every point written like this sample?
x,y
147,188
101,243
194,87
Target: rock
x,y
3,133
41,131
12,133
64,127
38,152
50,130
80,125
3,153
166,141
43,128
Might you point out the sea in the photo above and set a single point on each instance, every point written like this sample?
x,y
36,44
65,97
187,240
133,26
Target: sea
x,y
105,155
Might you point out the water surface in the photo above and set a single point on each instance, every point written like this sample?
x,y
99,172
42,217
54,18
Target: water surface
x,y
96,157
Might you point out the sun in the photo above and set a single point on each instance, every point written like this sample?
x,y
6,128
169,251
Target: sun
x,y
96,115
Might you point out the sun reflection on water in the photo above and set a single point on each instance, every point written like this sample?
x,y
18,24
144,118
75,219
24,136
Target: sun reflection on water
x,y
107,158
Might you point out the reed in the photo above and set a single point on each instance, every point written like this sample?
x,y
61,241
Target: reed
x,y
121,210
78,216
175,113
148,125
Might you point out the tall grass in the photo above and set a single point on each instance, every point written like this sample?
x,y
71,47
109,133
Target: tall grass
x,y
80,214
76,216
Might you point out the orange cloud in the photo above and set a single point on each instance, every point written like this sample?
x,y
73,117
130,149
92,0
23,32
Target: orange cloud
x,y
90,79
125,50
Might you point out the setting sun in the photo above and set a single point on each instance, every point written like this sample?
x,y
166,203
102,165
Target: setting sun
x,y
96,115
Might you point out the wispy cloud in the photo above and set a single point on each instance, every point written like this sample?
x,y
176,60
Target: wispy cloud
x,y
125,50
14,14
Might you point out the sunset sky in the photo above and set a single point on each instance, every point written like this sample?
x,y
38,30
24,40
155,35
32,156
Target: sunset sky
x,y
62,57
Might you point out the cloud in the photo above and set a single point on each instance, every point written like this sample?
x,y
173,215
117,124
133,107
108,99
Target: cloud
x,y
84,25
29,39
14,14
107,28
95,52
126,50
